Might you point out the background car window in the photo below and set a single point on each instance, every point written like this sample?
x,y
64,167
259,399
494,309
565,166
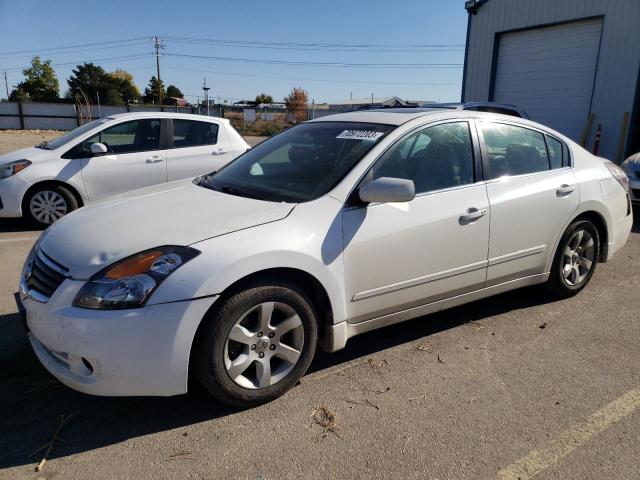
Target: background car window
x,y
434,158
513,150
190,133
555,153
128,137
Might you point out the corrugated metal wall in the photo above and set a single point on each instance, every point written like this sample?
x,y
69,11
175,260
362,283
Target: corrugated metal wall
x,y
618,64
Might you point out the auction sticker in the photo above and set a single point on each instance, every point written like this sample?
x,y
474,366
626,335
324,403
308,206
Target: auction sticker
x,y
369,135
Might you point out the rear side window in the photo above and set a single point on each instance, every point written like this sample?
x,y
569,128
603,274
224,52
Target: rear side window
x,y
555,153
513,150
191,133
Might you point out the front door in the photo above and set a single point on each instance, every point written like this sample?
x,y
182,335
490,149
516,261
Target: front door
x,y
533,193
401,255
133,160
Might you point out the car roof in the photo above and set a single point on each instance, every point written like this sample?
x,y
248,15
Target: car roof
x,y
186,116
398,116
387,116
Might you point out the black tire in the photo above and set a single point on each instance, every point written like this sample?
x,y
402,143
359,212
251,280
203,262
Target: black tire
x,y
210,353
557,284
70,204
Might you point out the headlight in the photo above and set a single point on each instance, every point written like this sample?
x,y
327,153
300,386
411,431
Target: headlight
x,y
619,174
130,282
13,167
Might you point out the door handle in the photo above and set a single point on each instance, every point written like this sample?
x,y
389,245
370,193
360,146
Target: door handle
x,y
471,215
564,190
154,159
219,151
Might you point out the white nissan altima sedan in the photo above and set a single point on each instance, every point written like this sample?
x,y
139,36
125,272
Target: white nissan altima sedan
x,y
332,228
110,156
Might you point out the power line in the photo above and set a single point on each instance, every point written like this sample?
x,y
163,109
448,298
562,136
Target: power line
x,y
313,45
70,52
101,60
74,46
319,64
303,79
303,47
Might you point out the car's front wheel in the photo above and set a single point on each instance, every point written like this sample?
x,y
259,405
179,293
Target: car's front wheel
x,y
257,344
46,204
575,259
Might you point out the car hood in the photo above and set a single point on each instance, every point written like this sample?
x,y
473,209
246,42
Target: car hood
x,y
31,153
179,213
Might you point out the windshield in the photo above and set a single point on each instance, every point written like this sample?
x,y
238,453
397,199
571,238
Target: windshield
x,y
67,137
300,164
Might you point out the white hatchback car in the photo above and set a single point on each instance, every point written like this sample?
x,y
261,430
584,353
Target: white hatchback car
x,y
329,229
110,156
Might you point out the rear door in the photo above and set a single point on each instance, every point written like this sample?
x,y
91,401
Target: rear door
x,y
135,158
195,148
533,193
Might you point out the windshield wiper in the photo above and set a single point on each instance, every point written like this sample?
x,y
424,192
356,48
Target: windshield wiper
x,y
238,192
43,145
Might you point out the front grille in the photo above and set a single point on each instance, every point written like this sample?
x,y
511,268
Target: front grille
x,y
46,274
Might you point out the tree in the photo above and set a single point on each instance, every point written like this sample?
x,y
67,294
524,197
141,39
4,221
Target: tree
x,y
174,92
95,83
264,98
40,84
151,92
296,103
125,86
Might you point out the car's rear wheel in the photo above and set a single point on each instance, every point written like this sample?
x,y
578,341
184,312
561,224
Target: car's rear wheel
x,y
47,204
575,259
256,345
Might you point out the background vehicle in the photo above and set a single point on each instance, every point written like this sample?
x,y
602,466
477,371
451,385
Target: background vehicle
x,y
489,107
631,166
327,230
110,156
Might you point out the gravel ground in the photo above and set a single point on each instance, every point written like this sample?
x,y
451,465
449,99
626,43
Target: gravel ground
x,y
510,387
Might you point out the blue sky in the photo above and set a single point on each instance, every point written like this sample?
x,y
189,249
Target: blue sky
x,y
401,32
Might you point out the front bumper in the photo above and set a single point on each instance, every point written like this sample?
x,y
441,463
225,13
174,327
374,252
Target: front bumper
x,y
12,192
118,352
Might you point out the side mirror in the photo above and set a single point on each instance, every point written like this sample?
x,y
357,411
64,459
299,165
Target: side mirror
x,y
98,148
386,189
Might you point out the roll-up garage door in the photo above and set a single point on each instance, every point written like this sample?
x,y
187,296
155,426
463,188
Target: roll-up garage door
x,y
549,72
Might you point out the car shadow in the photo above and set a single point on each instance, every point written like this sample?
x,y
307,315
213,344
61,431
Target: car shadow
x,y
16,225
32,401
636,219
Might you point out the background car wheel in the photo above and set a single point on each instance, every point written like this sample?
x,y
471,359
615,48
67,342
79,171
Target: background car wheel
x,y
575,259
47,204
257,345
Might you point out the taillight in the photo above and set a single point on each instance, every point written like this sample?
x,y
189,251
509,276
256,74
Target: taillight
x,y
619,174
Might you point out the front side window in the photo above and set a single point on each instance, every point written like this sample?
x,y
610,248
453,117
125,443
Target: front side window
x,y
299,164
72,135
127,137
435,158
190,133
513,150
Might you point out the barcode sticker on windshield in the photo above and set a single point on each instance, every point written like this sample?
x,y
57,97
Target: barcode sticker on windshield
x,y
369,135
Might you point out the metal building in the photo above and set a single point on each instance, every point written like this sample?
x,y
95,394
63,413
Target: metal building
x,y
564,62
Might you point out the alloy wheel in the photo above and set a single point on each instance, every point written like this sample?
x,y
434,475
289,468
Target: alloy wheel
x,y
578,258
263,345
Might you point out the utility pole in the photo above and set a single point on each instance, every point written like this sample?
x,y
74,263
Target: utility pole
x,y
6,84
158,45
206,89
